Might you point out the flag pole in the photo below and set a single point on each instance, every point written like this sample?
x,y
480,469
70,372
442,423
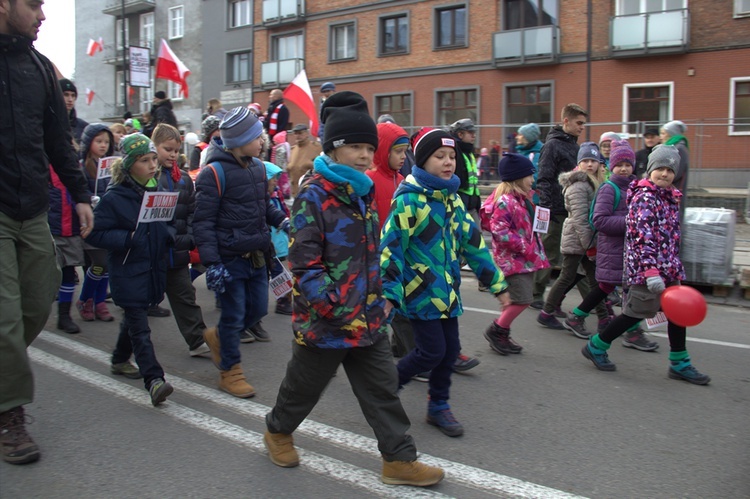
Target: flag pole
x,y
124,62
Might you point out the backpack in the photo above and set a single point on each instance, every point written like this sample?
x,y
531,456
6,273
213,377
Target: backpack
x,y
485,212
219,176
593,201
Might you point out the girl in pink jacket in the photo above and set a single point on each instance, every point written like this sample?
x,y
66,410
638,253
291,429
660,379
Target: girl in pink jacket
x,y
517,250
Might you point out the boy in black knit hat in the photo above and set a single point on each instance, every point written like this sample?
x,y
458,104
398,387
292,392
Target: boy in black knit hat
x,y
339,310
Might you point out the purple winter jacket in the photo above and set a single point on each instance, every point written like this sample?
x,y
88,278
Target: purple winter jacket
x,y
610,224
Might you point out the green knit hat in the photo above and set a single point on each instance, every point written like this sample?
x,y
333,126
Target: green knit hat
x,y
133,147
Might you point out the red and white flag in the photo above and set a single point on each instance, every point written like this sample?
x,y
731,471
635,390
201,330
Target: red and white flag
x,y
89,96
169,67
95,46
299,93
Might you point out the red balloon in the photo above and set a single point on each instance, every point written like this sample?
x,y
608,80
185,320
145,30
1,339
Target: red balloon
x,y
683,305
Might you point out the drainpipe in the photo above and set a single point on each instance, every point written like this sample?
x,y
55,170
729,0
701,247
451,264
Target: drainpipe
x,y
589,35
124,61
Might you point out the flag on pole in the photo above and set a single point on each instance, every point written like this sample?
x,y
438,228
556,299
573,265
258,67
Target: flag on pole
x,y
169,67
299,93
95,46
89,96
131,94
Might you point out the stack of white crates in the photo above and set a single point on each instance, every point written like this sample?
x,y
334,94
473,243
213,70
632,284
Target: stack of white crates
x,y
708,245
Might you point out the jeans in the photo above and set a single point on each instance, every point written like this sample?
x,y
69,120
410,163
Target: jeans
x,y
244,303
135,338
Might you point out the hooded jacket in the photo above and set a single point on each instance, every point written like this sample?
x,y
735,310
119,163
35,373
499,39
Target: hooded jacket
x,y
95,185
559,155
161,113
577,234
609,221
385,179
34,132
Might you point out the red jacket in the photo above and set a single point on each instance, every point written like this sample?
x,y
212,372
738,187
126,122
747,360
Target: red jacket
x,y
386,180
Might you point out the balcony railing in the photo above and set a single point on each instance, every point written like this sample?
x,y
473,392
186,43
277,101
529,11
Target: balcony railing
x,y
275,73
650,33
113,52
526,46
114,7
282,11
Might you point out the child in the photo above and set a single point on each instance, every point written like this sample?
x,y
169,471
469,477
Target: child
x,y
577,244
652,263
339,315
279,237
136,254
427,232
516,248
230,226
609,221
180,290
97,142
280,155
118,132
605,146
484,166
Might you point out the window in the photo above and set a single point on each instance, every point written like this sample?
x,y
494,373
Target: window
x,y
739,106
289,46
521,14
629,7
176,22
174,91
240,13
394,35
239,67
147,30
457,104
450,27
650,103
741,8
531,103
147,95
118,33
398,106
343,42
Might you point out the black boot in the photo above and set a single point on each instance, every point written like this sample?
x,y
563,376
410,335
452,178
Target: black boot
x,y
64,322
500,340
284,305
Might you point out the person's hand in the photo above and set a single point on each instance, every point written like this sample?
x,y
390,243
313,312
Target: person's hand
x,y
591,254
655,284
504,299
285,226
216,276
86,218
388,307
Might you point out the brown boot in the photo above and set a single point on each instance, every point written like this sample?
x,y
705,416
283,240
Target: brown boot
x,y
17,445
233,382
211,337
410,473
281,449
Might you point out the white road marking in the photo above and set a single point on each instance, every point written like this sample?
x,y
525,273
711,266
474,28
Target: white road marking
x,y
468,476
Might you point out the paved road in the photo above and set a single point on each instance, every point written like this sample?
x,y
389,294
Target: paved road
x,y
542,424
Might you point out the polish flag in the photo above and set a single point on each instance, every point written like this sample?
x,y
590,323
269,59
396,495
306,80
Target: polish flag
x,y
299,93
169,67
95,46
89,96
131,94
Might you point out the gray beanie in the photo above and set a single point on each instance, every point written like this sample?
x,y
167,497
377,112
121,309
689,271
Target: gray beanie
x,y
589,150
675,127
238,127
663,156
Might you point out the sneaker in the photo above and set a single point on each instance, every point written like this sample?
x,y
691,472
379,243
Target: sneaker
x,y
445,422
281,449
410,473
483,289
246,336
283,307
614,298
610,311
559,313
86,309
125,369
600,360
259,333
464,363
500,340
159,391
200,351
684,370
157,311
577,325
549,321
537,304
466,267
422,377
602,324
638,340
17,445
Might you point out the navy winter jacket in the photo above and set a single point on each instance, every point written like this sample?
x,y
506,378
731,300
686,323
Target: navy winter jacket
x,y
179,255
559,155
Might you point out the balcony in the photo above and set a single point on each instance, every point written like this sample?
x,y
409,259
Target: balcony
x,y
277,73
520,47
114,7
113,52
652,33
283,11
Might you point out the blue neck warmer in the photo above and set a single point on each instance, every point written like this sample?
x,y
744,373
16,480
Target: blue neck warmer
x,y
430,181
342,174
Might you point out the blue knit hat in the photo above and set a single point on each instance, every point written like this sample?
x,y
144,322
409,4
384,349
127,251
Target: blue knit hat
x,y
238,127
514,166
530,132
589,150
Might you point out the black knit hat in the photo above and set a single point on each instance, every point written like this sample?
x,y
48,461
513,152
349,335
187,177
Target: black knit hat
x,y
347,121
67,86
514,166
427,141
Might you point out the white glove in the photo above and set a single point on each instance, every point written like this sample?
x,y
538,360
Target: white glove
x,y
655,284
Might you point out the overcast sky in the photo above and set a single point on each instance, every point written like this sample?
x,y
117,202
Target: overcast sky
x,y
57,35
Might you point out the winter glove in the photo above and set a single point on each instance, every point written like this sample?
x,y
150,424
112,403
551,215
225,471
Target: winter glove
x,y
591,254
285,226
216,276
655,284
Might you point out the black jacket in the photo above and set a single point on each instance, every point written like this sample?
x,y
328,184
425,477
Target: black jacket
x,y
161,113
559,155
34,132
641,161
179,254
76,125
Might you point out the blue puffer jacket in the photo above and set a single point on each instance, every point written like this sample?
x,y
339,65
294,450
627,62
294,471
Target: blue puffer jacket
x,y
138,264
87,137
227,226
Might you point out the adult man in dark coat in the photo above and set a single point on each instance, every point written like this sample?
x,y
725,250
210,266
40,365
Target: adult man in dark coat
x,y
161,112
70,94
277,116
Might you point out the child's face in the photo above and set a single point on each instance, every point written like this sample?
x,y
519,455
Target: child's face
x,y
144,168
99,145
167,152
442,163
589,166
663,177
396,157
252,148
526,183
605,147
622,168
118,133
358,156
272,183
